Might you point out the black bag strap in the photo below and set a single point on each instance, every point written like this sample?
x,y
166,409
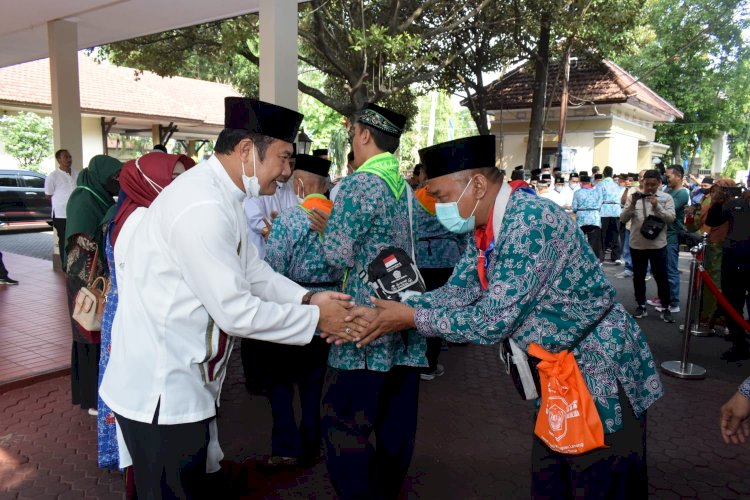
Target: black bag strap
x,y
591,327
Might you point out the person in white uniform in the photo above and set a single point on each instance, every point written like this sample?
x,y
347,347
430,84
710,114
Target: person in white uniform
x,y
193,283
261,210
58,185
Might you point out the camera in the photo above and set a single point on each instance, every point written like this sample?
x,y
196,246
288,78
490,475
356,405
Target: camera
x,y
639,196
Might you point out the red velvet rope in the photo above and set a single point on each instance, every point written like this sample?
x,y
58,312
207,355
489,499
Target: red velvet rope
x,y
737,317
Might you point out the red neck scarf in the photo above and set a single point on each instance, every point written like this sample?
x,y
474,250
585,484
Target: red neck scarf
x,y
485,238
141,193
485,241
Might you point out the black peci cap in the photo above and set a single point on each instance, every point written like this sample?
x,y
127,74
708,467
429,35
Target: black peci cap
x,y
313,164
461,154
262,118
320,152
383,119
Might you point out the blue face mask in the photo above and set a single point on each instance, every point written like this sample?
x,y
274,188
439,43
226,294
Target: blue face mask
x,y
449,216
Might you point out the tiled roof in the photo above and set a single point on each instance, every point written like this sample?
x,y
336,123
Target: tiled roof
x,y
116,91
601,82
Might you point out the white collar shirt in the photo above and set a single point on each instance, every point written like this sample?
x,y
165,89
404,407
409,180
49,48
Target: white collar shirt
x,y
189,276
262,207
59,185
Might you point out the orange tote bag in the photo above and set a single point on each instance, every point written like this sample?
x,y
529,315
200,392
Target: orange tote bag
x,y
568,421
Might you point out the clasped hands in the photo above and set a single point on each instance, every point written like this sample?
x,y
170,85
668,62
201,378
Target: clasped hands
x,y
343,321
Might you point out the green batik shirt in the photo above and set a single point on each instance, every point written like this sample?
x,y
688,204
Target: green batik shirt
x,y
296,251
546,286
367,218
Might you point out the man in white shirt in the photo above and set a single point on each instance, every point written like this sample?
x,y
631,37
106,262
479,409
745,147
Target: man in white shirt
x,y
59,184
557,194
193,283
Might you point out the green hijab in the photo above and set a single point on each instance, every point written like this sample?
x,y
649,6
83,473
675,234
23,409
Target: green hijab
x,y
89,201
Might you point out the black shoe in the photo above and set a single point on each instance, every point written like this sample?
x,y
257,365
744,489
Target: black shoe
x,y
8,281
640,312
667,316
735,354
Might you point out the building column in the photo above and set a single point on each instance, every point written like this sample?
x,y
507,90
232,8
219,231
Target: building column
x,y
62,38
278,52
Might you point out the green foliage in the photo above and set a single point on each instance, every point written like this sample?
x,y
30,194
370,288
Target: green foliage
x,y
369,51
449,124
27,137
698,60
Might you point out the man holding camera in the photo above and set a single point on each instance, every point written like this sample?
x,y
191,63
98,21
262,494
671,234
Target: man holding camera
x,y
646,210
732,206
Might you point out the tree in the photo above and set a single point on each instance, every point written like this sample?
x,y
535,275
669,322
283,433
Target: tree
x,y
697,60
27,137
369,50
488,48
545,30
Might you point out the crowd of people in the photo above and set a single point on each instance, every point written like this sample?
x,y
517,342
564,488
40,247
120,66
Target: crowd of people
x,y
349,292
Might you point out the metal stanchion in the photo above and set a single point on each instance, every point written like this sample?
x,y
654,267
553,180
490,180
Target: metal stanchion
x,y
699,330
683,369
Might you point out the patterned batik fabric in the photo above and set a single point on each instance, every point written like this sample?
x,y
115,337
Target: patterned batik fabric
x,y
296,251
587,202
611,195
367,218
546,286
437,248
105,420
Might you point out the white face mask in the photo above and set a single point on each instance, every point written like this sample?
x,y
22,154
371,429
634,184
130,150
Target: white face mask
x,y
301,193
558,188
148,179
252,184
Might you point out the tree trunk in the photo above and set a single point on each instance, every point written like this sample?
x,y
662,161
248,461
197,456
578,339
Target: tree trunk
x,y
536,126
677,153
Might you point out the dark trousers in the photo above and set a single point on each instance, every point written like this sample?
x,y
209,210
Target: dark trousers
x,y
357,403
59,225
288,440
84,374
169,461
611,236
735,285
658,260
594,237
3,270
434,278
615,472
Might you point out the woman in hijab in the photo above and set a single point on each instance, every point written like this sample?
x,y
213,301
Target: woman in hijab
x,y
90,200
141,181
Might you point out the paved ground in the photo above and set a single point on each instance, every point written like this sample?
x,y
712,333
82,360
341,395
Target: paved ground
x,y
473,439
31,243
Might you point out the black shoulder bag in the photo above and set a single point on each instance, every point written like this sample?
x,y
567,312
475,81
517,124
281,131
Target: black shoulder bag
x,y
652,225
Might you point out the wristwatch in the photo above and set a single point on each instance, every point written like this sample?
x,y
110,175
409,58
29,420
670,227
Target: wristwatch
x,y
307,298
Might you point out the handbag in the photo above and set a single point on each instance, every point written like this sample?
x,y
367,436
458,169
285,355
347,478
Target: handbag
x,y
568,421
393,273
88,308
652,225
523,368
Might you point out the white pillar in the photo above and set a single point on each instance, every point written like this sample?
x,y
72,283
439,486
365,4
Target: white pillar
x,y
66,99
62,38
278,52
